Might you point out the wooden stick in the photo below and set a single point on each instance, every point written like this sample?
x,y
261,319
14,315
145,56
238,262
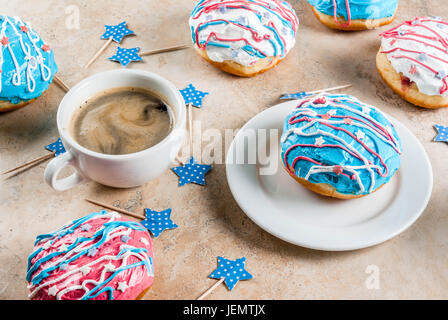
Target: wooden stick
x,y
210,290
178,160
331,89
190,126
45,157
156,51
135,215
61,83
104,47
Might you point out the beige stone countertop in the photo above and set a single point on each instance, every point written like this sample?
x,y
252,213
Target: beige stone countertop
x,y
412,265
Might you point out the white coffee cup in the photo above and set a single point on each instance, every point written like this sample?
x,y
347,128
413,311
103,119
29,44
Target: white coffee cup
x,y
121,171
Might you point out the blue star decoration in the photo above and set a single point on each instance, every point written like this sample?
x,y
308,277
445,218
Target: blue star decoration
x,y
232,270
125,56
157,222
193,96
116,32
442,135
57,147
297,95
192,172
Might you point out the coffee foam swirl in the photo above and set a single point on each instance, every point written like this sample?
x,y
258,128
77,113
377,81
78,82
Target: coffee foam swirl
x,y
122,121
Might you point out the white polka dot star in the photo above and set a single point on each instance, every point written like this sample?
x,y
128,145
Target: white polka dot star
x,y
232,270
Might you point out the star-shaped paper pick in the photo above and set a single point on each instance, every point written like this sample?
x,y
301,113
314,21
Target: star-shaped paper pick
x,y
193,96
157,221
125,56
116,32
442,135
297,95
57,147
192,172
232,270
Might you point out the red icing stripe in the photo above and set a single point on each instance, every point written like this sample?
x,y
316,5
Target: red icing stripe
x,y
393,33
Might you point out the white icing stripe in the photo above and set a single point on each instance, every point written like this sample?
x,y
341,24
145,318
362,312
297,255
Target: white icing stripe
x,y
356,111
333,102
31,61
319,169
84,284
355,123
366,166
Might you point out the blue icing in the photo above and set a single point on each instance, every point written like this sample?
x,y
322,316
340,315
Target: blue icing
x,y
250,50
359,9
97,239
330,156
18,92
109,290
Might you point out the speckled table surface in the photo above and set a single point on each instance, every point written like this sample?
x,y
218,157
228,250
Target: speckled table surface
x,y
412,265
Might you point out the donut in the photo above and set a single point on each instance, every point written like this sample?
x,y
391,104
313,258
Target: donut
x,y
98,257
350,15
27,64
338,146
413,61
243,37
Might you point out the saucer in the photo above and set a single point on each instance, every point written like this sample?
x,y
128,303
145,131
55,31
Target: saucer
x,y
287,210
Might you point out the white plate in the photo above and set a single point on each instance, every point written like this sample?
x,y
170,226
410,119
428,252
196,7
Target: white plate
x,y
284,208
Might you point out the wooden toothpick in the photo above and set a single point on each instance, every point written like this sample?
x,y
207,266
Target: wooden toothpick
x,y
210,290
60,83
168,49
40,159
179,161
331,89
190,126
99,52
189,109
303,94
104,205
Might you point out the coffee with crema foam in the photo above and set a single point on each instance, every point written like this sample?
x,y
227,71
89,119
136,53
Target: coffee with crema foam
x,y
121,121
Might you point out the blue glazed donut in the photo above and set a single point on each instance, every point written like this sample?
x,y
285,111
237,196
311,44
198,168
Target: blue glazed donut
x,y
27,63
339,146
354,14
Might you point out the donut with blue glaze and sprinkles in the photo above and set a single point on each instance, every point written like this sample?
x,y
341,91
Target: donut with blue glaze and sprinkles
x,y
352,15
338,146
243,37
27,64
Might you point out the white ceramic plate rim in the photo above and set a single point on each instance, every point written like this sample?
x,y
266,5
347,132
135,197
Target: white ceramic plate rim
x,y
417,185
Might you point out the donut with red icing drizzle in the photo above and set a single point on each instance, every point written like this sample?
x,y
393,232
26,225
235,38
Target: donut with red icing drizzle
x,y
417,50
243,32
338,143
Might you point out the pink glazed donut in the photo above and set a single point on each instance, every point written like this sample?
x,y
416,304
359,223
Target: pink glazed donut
x,y
98,257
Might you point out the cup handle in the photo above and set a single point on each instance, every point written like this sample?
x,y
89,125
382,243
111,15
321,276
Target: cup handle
x,y
55,166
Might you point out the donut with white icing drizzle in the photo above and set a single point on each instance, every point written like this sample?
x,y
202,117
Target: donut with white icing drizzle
x,y
27,63
339,146
98,257
413,60
243,37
